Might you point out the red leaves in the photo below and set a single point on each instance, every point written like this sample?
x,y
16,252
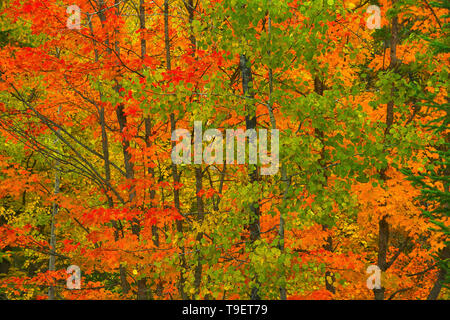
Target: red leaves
x,y
175,75
201,193
69,246
156,215
178,186
87,67
207,193
321,294
104,215
164,184
131,110
27,8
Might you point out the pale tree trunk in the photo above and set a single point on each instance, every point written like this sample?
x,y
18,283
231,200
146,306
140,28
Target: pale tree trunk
x,y
55,209
52,259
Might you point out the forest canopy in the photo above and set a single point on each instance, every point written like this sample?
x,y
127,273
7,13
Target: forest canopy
x,y
224,149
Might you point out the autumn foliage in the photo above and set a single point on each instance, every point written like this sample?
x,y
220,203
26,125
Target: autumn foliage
x,y
86,176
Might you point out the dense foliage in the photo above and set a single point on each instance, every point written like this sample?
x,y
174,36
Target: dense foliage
x,y
87,179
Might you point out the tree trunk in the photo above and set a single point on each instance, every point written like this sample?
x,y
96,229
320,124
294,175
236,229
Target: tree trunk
x,y
444,255
383,225
250,123
284,178
52,258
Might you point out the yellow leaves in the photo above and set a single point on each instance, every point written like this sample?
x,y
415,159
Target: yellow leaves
x,y
264,255
7,214
228,287
436,244
329,279
351,5
347,41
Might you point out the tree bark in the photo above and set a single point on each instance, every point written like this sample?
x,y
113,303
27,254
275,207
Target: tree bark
x,y
52,258
284,178
383,225
250,123
175,175
444,255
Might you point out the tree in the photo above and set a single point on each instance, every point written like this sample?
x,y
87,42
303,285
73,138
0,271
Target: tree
x,y
350,105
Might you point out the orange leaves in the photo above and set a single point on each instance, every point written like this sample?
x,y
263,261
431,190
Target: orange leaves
x,y
149,217
310,238
118,189
207,193
21,237
321,294
105,215
178,186
163,215
69,245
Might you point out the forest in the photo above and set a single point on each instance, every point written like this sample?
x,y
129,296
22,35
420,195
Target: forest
x,y
224,150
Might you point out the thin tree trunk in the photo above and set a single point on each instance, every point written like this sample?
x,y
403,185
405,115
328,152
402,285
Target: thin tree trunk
x,y
281,236
250,123
105,150
175,175
319,88
143,292
383,244
200,210
52,258
179,224
198,168
129,166
383,225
